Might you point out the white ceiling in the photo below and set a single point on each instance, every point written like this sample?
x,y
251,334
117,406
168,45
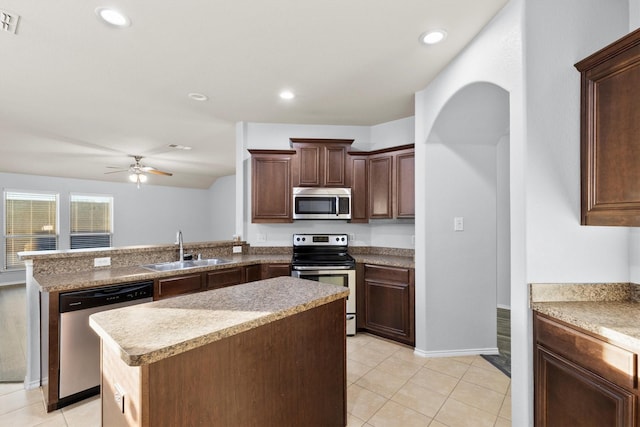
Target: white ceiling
x,y
77,95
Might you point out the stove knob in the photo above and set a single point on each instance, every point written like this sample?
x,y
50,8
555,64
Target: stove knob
x,y
304,239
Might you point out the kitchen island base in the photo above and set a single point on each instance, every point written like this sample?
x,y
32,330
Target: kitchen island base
x,y
288,372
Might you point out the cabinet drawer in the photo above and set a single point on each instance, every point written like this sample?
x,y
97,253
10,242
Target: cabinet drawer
x,y
607,360
179,285
226,277
386,274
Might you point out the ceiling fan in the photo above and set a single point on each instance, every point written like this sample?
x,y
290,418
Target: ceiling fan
x,y
137,171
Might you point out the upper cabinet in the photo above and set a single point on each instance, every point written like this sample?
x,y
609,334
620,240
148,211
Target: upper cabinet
x,y
609,134
271,183
392,183
321,162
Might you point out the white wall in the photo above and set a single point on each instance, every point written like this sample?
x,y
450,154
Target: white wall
x,y
276,136
503,220
150,215
495,57
222,198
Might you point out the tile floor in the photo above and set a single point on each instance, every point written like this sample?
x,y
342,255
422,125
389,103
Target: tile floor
x,y
387,385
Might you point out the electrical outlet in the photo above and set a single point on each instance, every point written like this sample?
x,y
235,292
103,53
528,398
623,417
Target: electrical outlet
x,y
237,249
458,223
352,237
102,262
261,237
118,396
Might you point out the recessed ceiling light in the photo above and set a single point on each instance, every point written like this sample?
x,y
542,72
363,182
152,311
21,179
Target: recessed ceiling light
x,y
113,17
287,94
198,96
433,36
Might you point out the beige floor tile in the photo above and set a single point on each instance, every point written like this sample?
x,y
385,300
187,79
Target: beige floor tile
x,y
353,421
436,381
421,399
355,370
32,415
368,356
496,381
363,403
20,399
383,347
480,362
381,382
6,388
478,397
505,410
448,366
501,422
436,423
83,414
393,414
407,355
458,414
399,368
465,359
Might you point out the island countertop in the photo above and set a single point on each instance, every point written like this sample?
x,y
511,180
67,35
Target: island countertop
x,y
146,333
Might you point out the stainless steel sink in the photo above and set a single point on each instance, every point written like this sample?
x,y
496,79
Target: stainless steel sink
x,y
183,265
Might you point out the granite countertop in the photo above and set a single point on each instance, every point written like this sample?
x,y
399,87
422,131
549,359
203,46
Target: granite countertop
x,y
112,276
388,260
609,310
146,333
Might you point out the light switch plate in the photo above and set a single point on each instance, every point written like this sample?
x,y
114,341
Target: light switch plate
x,y
102,262
261,237
458,223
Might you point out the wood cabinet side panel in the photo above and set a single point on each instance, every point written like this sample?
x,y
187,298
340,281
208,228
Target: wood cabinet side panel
x,y
288,372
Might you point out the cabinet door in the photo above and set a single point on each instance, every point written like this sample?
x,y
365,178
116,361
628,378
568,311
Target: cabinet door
x,y
568,395
271,186
226,277
359,189
321,162
389,302
334,166
310,156
405,185
172,286
380,186
610,125
275,270
253,273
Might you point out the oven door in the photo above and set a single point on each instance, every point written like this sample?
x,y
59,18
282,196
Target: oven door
x,y
346,278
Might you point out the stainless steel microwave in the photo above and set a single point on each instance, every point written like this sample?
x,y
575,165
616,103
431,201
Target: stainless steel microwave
x,y
321,203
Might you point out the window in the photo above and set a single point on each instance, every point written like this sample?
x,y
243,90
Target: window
x,y
31,224
91,221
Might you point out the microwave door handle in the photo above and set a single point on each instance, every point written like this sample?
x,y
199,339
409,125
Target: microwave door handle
x,y
337,205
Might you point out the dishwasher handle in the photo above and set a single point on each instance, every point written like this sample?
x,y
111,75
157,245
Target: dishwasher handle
x,y
95,297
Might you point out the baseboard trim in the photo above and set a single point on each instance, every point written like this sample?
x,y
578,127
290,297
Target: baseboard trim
x,y
456,353
30,385
505,307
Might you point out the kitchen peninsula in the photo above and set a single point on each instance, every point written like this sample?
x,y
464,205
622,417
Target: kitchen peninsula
x,y
270,352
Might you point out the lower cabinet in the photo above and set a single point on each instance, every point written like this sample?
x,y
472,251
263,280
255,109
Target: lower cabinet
x,y
389,302
580,380
221,278
275,270
253,273
177,285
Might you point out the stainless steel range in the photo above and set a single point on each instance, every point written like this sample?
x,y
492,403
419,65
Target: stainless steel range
x,y
325,258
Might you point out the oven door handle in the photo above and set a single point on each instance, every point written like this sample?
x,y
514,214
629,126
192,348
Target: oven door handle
x,y
321,267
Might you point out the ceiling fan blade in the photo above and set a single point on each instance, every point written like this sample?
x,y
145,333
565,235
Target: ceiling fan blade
x,y
156,171
113,167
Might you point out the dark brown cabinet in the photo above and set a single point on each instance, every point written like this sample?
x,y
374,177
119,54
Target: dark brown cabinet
x,y
178,285
222,278
321,162
389,302
609,129
359,167
391,183
253,273
271,184
275,270
581,380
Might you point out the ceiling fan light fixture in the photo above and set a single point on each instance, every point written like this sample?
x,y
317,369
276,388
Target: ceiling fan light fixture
x,y
287,94
433,36
113,17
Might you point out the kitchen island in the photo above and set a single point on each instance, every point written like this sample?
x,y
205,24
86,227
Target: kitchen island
x,y
271,352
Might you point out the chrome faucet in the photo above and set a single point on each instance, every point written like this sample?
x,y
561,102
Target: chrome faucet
x,y
179,242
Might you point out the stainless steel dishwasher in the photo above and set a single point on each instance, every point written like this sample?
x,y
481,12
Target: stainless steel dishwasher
x,y
79,344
